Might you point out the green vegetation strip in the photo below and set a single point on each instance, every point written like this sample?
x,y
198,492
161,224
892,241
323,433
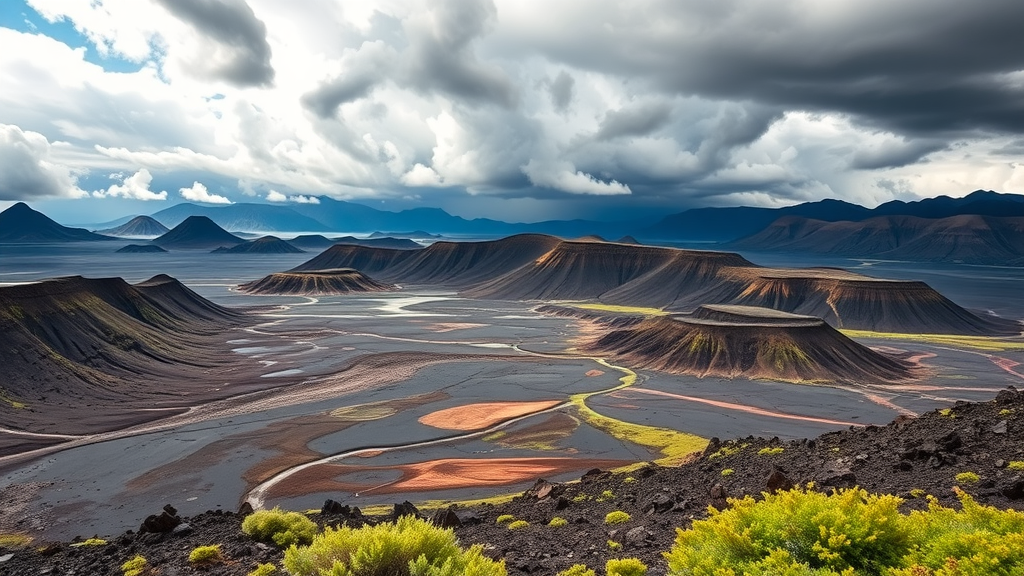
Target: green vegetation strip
x,y
620,309
955,341
674,446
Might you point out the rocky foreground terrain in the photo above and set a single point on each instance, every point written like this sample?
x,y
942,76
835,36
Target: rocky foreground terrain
x,y
910,457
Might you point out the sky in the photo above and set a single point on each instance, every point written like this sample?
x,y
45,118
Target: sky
x,y
519,110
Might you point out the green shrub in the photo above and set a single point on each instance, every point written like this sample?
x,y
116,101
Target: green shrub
x,y
728,472
1015,465
505,519
918,493
577,570
90,542
967,478
137,566
516,525
849,533
947,412
280,527
727,450
605,496
1006,412
407,547
616,517
581,497
263,570
770,451
614,546
558,521
205,555
628,480
625,567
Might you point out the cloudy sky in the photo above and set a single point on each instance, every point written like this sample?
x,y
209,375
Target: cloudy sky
x,y
520,110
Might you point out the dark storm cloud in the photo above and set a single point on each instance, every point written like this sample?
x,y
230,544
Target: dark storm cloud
x,y
440,56
362,71
562,89
244,55
894,155
636,121
916,67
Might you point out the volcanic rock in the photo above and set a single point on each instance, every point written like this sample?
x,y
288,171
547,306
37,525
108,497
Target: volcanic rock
x,y
756,343
197,233
140,226
315,283
20,224
264,245
141,249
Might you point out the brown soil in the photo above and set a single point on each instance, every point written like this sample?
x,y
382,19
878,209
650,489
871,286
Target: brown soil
x,y
483,415
924,453
445,474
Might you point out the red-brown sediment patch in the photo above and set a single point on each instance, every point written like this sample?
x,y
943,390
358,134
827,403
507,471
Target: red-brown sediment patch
x,y
594,373
483,415
287,441
445,474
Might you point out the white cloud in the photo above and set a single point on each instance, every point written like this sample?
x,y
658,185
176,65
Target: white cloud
x,y
199,193
597,99
28,169
563,176
135,187
275,196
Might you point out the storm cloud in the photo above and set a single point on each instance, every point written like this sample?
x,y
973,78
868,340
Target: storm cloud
x,y
583,107
238,51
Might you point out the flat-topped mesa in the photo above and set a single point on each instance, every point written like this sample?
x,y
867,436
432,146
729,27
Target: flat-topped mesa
x,y
539,267
264,245
141,249
315,283
852,301
584,270
750,342
456,264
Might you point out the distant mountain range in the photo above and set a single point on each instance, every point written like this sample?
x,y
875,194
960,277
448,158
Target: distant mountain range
x,y
339,216
725,224
20,224
968,238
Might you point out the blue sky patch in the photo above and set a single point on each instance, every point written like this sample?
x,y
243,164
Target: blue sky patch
x,y
17,15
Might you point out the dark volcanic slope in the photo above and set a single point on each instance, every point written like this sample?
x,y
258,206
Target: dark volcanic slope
x,y
141,249
138,226
583,270
75,342
456,264
969,238
536,267
264,245
197,233
848,300
20,224
756,343
315,283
